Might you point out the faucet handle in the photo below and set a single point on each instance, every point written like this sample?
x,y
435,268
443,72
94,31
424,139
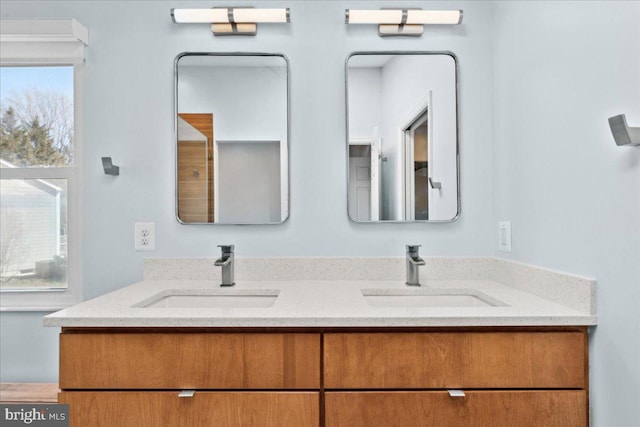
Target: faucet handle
x,y
227,248
413,248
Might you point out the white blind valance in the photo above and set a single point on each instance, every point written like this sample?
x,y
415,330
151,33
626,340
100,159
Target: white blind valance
x,y
54,41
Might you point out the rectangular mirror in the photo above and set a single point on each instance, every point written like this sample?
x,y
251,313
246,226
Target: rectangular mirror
x,y
402,137
232,138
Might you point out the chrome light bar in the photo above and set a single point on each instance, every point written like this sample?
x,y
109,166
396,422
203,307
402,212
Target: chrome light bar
x,y
231,20
403,22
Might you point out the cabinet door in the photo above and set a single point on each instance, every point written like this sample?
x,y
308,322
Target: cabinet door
x,y
169,360
442,360
204,409
559,408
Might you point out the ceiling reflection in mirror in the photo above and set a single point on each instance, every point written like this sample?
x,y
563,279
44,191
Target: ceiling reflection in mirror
x,y
402,143
232,138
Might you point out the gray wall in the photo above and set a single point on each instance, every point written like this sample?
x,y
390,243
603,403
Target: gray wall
x,y
249,182
573,197
561,69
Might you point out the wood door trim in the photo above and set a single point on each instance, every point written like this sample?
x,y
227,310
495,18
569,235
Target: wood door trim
x,y
203,122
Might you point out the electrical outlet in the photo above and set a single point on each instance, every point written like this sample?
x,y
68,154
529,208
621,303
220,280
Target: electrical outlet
x,y
145,236
504,236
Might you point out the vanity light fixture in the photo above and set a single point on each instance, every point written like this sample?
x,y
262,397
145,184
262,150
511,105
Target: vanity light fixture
x,y
402,22
231,21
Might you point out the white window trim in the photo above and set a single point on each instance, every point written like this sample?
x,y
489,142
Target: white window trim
x,y
43,41
64,41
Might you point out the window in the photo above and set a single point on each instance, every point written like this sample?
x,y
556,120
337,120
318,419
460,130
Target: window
x,y
40,121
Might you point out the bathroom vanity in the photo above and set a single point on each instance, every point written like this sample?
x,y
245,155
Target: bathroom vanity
x,y
332,377
323,353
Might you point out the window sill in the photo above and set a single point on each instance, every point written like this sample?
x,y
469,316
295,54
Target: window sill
x,y
45,301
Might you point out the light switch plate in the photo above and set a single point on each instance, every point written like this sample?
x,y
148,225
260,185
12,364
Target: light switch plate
x,y
504,236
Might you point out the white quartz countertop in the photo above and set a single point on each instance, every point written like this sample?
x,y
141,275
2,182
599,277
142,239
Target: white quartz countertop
x,y
317,303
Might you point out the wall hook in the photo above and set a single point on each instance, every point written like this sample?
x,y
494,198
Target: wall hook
x,y
435,184
109,167
622,133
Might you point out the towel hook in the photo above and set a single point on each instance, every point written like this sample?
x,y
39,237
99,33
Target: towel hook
x,y
109,167
623,134
436,185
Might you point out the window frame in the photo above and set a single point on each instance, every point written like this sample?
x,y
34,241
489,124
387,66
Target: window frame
x,y
53,299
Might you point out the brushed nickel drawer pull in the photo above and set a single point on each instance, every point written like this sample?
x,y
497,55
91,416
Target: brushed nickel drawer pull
x,y
186,393
456,393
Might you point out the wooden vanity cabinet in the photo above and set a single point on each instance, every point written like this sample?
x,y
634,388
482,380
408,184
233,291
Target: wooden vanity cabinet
x,y
205,408
133,378
509,377
482,408
441,360
330,377
189,360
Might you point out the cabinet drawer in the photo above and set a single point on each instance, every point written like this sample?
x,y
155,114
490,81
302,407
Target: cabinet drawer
x,y
220,409
189,361
559,408
455,360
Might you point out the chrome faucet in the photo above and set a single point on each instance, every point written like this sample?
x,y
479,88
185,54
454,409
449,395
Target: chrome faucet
x,y
413,262
226,262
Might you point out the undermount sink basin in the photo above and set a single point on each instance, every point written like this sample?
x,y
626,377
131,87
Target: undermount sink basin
x,y
212,298
428,298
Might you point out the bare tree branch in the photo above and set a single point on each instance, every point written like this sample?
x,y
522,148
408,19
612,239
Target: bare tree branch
x,y
52,109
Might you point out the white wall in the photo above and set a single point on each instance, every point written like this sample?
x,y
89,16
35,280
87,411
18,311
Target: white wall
x,y
573,197
186,132
365,122
365,101
407,80
129,81
248,103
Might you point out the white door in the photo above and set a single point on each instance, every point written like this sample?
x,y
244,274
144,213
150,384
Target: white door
x,y
365,176
376,178
360,188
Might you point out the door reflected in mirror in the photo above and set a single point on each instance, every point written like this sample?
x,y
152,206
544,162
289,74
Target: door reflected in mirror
x,y
402,137
232,127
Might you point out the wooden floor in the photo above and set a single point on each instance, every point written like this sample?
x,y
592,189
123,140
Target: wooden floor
x,y
29,392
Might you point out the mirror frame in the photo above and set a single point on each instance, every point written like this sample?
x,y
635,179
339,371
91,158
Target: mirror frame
x,y
346,97
175,129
